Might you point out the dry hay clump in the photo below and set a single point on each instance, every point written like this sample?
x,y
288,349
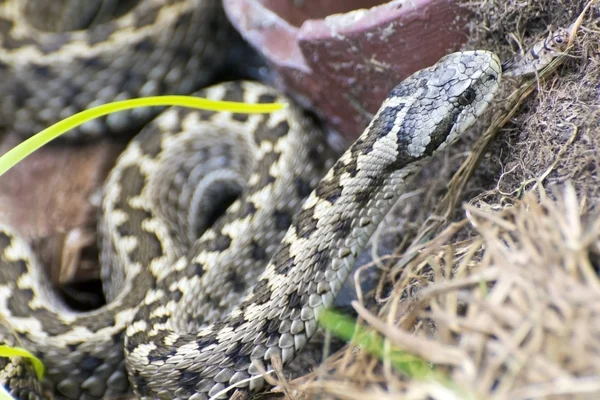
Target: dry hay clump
x,y
504,303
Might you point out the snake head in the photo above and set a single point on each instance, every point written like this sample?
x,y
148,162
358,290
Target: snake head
x,y
468,81
432,108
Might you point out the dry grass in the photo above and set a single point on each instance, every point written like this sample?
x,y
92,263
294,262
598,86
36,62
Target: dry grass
x,y
495,283
519,318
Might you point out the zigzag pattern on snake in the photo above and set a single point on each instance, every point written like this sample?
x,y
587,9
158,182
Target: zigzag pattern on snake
x,y
202,316
155,47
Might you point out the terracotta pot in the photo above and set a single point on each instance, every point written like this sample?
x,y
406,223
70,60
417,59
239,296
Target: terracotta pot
x,y
342,63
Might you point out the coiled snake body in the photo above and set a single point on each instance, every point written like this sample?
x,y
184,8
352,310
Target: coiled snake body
x,y
200,315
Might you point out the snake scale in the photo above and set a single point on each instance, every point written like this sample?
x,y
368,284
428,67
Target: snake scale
x,y
197,309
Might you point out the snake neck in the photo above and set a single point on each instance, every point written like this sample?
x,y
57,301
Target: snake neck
x,y
334,225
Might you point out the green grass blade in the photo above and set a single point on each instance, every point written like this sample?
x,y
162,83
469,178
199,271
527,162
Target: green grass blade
x,y
346,328
30,145
9,351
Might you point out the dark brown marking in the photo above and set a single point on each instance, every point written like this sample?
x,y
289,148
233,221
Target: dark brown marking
x,y
133,179
195,269
20,95
117,338
329,190
352,168
248,208
283,219
220,243
233,92
361,197
5,26
265,180
150,140
205,115
322,260
144,46
238,283
158,320
19,266
9,42
132,344
441,132
240,117
18,303
315,155
282,260
73,346
303,188
271,134
267,98
148,245
262,293
176,295
305,223
5,241
159,354
257,251
380,127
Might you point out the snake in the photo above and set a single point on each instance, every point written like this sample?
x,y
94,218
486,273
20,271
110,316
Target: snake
x,y
61,57
539,55
199,307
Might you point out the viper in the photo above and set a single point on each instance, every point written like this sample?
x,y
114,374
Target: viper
x,y
198,308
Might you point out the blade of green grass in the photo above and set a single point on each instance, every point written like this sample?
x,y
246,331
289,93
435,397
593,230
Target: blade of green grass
x,y
347,329
9,351
30,145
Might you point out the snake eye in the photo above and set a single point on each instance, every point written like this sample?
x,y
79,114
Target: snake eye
x,y
489,77
466,97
